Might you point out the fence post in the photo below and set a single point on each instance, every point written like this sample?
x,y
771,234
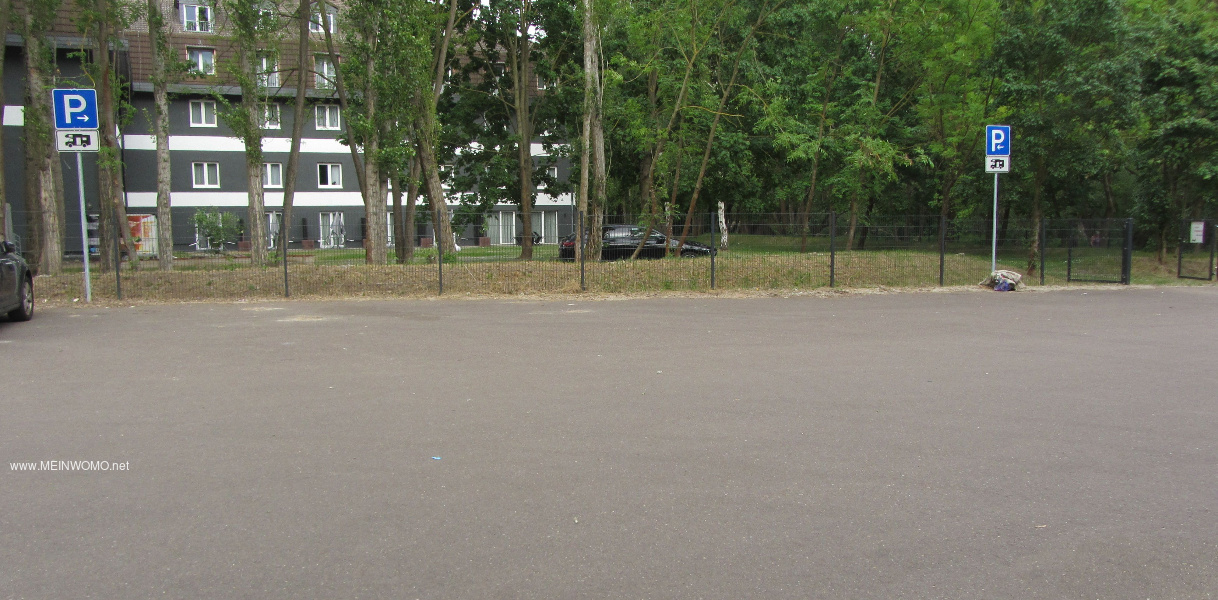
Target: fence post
x,y
942,246
439,260
832,249
1043,229
1127,254
118,256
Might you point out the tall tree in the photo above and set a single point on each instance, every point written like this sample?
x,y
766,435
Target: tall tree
x,y
1065,72
164,69
103,22
303,16
1178,155
5,12
426,127
384,42
254,33
43,195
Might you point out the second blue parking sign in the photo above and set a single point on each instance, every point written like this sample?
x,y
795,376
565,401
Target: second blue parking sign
x,y
997,140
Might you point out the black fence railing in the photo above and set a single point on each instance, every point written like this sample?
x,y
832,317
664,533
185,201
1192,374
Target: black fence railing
x,y
753,252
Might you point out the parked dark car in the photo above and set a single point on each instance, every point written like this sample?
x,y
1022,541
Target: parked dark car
x,y
620,241
16,284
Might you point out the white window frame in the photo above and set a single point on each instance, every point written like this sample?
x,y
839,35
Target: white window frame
x,y
196,25
267,180
268,71
271,115
209,169
274,220
324,124
332,229
323,72
201,241
203,106
334,176
315,25
194,56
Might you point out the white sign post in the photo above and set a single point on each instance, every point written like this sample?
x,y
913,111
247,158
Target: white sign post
x,y
997,160
76,131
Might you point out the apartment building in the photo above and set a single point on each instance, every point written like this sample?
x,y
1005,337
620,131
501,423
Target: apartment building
x,y
207,160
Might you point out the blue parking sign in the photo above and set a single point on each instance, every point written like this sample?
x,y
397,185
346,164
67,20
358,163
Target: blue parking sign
x,y
75,108
997,140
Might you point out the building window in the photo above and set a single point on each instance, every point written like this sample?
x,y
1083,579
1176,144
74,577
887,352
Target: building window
x,y
196,18
329,175
333,230
273,222
315,23
202,60
268,71
270,116
202,113
323,67
272,175
326,116
206,174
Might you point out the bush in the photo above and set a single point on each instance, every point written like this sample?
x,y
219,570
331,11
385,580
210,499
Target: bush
x,y
217,228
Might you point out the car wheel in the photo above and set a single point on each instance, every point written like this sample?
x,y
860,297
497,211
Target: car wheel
x,y
25,294
689,253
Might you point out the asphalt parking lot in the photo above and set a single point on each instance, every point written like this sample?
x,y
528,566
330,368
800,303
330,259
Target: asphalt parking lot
x,y
919,445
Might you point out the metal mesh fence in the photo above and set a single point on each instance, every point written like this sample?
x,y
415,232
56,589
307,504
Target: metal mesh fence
x,y
753,252
1195,259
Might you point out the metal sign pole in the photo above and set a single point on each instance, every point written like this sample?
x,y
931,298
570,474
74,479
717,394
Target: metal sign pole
x,y
84,229
994,235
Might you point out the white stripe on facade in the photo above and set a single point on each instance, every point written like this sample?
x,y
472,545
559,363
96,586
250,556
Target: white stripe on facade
x,y
219,143
275,199
14,116
241,199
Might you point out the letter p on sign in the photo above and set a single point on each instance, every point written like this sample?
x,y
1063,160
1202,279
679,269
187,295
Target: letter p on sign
x,y
997,140
75,109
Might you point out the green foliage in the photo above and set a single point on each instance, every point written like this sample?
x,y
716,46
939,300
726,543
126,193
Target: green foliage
x,y
218,228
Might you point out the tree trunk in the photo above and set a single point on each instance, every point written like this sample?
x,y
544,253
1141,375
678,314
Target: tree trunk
x,y
1106,179
408,223
303,14
256,204
109,172
377,252
585,156
45,238
160,127
710,137
427,139
5,11
399,228
722,226
426,146
1038,184
520,62
599,176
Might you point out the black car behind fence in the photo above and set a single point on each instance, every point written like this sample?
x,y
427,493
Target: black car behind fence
x,y
749,252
